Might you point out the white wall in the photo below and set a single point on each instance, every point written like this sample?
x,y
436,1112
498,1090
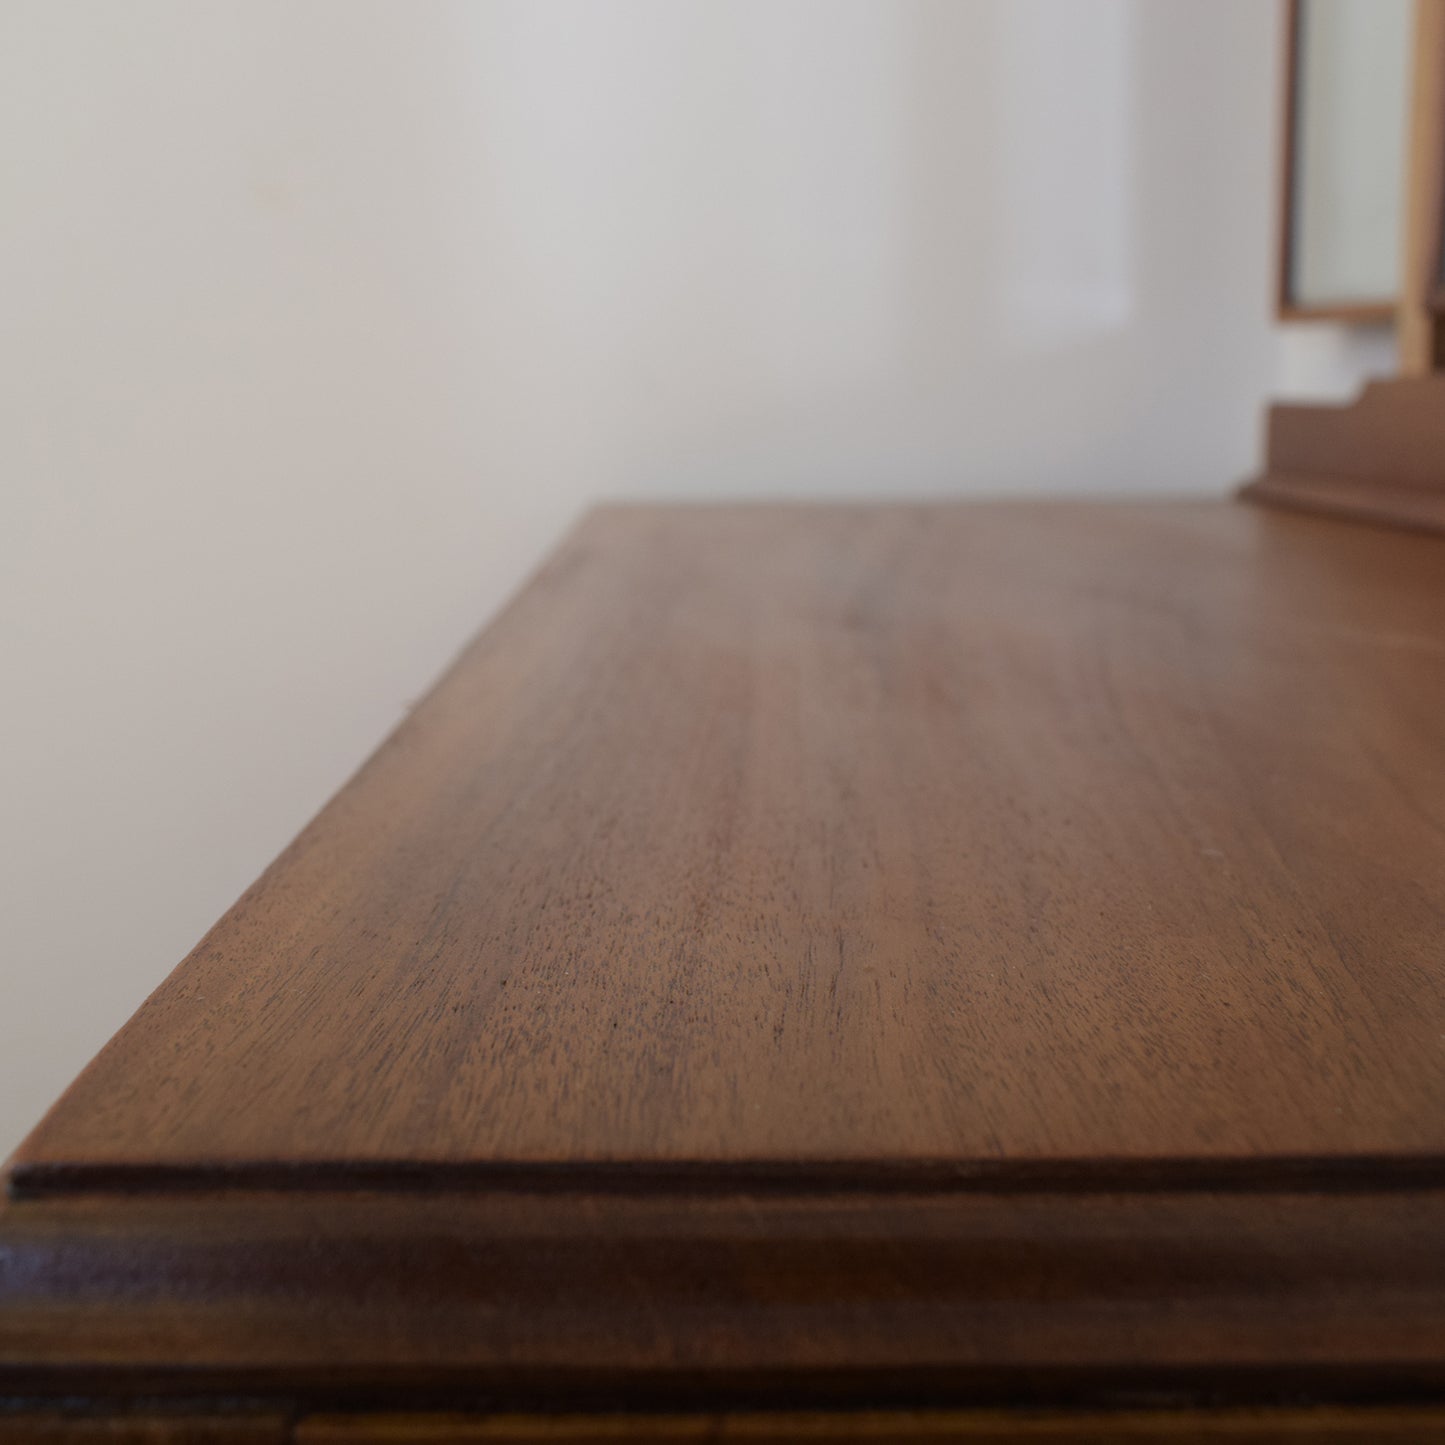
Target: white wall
x,y
319,322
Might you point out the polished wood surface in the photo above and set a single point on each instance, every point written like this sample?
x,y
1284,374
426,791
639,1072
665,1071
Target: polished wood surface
x,y
805,966
1072,843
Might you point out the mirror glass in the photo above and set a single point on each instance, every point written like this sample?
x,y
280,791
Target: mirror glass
x,y
1349,89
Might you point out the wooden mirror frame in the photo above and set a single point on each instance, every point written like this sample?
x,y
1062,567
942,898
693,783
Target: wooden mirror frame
x,y
1380,311
1382,458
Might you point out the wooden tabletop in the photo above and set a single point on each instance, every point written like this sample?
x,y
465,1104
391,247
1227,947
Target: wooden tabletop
x,y
1041,840
898,950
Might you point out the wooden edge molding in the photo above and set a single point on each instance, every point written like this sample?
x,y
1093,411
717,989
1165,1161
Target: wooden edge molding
x,y
1379,459
970,1427
1349,500
1331,1424
702,1178
80,1424
321,1301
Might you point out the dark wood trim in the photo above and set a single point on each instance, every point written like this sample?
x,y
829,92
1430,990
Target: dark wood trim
x,y
78,1424
911,1427
354,1301
1330,1425
701,1178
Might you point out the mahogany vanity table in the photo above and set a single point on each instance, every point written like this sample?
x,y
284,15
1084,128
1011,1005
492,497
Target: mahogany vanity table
x,y
941,972
898,973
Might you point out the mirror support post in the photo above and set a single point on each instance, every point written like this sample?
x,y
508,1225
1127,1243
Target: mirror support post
x,y
1422,299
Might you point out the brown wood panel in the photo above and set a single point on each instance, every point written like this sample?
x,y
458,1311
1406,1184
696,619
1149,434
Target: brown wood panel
x,y
1155,1427
1380,458
90,1427
1392,435
836,844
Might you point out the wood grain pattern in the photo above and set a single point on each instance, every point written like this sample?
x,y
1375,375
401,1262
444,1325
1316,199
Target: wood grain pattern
x,y
77,1426
1155,1427
654,1299
1072,842
834,958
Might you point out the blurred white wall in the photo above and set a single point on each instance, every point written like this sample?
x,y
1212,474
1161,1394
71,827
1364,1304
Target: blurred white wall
x,y
319,321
